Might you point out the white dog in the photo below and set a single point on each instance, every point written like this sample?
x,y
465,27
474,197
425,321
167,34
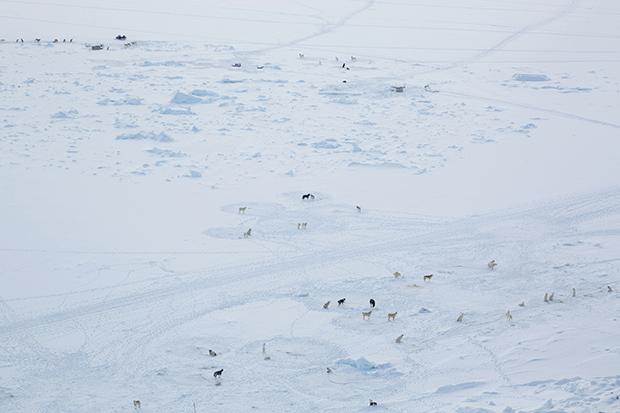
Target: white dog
x,y
242,210
366,315
392,316
136,404
508,315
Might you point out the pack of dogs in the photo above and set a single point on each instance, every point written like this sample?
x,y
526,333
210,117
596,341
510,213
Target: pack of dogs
x,y
391,317
217,375
38,40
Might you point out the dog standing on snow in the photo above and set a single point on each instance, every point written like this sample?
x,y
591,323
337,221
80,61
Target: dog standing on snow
x,y
248,233
492,264
397,275
217,375
242,210
392,316
428,277
136,404
366,315
341,301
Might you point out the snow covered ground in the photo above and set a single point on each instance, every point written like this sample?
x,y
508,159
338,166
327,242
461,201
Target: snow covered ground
x,y
122,171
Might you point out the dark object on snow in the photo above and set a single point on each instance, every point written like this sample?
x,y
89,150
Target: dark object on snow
x,y
341,301
372,303
55,41
307,196
371,402
97,47
218,373
212,353
37,40
398,89
121,37
236,65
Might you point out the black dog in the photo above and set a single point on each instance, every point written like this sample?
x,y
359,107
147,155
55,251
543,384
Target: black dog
x,y
218,373
372,303
307,196
121,37
341,301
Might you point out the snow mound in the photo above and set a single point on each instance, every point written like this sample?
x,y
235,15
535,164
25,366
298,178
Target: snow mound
x,y
203,93
326,144
167,153
69,114
141,136
181,98
175,110
364,366
530,77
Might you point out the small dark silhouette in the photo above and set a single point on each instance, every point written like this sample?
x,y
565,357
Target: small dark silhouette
x,y
372,303
341,301
121,37
218,373
307,196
